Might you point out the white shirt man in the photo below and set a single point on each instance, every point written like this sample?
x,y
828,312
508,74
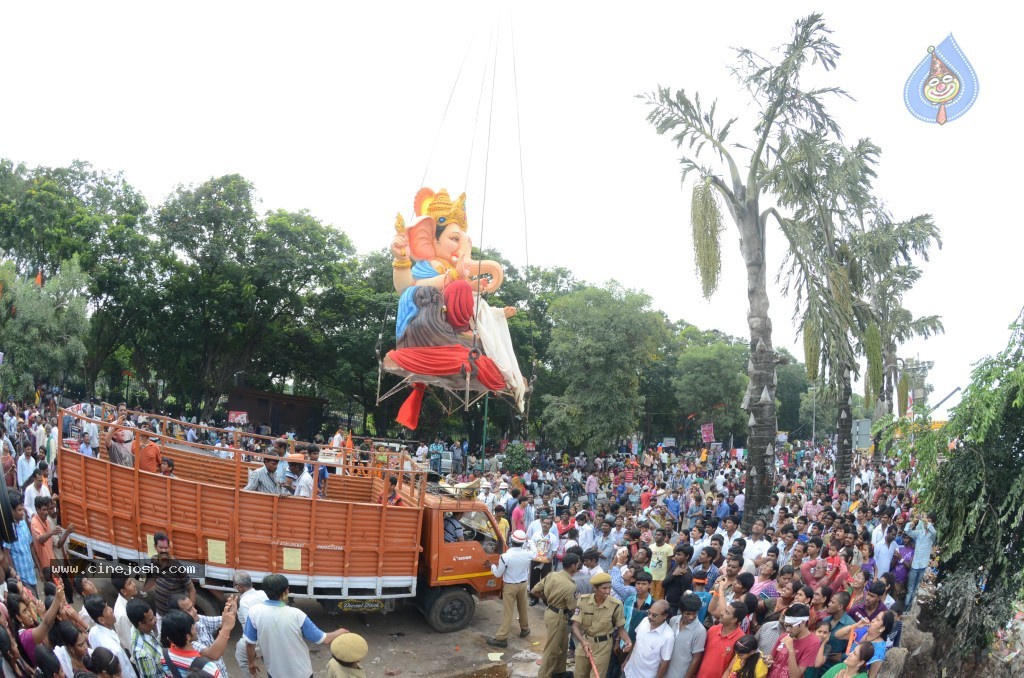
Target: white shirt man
x,y
282,632
31,492
654,644
304,484
246,601
40,432
487,497
586,539
757,549
884,552
26,466
103,635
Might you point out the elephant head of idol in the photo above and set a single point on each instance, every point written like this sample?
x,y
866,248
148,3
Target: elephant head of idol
x,y
439,236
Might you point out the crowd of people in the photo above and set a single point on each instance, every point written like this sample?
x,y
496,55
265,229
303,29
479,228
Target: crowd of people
x,y
159,635
639,561
645,572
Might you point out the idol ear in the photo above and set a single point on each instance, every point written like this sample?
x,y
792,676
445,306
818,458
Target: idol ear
x,y
421,238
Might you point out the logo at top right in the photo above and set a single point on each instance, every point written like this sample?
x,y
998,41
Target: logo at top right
x,y
943,86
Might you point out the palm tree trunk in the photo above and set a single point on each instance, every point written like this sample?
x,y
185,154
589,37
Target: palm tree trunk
x,y
844,432
763,359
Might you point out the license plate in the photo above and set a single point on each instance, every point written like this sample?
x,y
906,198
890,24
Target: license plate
x,y
373,605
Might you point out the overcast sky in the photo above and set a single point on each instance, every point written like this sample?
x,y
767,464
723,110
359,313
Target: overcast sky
x,y
335,108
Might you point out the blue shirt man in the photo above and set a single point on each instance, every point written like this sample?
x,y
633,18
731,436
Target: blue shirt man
x,y
21,549
672,505
723,509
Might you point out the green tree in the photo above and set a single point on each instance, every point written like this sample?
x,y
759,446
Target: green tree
x,y
43,328
602,340
793,383
889,250
710,383
970,476
235,279
784,109
818,413
49,214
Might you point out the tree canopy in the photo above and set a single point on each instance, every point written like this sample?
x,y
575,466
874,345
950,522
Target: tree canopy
x,y
173,304
971,476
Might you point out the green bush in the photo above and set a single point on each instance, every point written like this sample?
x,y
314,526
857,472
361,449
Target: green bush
x,y
516,459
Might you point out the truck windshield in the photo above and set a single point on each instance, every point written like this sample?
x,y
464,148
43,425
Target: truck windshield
x,y
477,527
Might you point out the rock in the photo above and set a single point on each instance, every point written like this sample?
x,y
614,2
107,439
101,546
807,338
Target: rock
x,y
892,667
524,670
524,656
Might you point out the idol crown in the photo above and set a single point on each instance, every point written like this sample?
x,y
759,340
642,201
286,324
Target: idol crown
x,y
440,206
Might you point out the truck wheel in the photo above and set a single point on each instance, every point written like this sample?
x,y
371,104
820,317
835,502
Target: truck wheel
x,y
207,605
451,611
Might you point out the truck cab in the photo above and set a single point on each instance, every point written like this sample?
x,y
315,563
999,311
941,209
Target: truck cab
x,y
455,573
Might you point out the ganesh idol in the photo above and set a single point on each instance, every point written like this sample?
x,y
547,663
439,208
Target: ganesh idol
x,y
445,328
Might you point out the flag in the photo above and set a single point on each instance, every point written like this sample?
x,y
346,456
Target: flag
x,y
910,403
39,277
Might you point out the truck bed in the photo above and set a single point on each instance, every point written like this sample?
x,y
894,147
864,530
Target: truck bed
x,y
344,546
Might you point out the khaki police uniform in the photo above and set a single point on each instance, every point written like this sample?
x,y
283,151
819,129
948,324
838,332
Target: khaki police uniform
x,y
336,670
600,625
559,589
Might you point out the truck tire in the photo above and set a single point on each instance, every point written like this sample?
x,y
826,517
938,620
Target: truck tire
x,y
207,605
452,610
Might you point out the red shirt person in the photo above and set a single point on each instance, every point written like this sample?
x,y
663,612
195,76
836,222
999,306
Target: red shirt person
x,y
721,639
797,650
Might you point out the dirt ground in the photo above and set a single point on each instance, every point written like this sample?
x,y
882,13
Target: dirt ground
x,y
402,644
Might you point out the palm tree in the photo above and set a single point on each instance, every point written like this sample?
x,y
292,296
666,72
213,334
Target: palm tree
x,y
785,110
888,250
848,270
827,186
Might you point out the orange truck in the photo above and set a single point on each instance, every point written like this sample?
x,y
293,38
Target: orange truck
x,y
348,549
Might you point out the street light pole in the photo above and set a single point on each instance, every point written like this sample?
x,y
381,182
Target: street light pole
x,y
483,447
814,416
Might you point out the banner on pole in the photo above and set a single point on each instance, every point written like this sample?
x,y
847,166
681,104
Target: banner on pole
x,y
707,433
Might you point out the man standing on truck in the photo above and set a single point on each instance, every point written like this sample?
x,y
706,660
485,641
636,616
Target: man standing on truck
x,y
264,479
514,569
558,591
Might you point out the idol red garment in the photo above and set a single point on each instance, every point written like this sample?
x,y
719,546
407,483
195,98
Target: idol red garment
x,y
409,413
444,361
458,303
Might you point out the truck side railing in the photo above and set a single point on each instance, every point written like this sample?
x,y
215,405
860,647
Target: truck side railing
x,y
109,410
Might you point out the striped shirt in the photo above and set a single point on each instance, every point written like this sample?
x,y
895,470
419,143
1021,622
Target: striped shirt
x,y
21,553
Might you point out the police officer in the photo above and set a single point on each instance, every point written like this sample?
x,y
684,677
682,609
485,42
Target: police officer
x,y
558,591
347,650
597,620
514,569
